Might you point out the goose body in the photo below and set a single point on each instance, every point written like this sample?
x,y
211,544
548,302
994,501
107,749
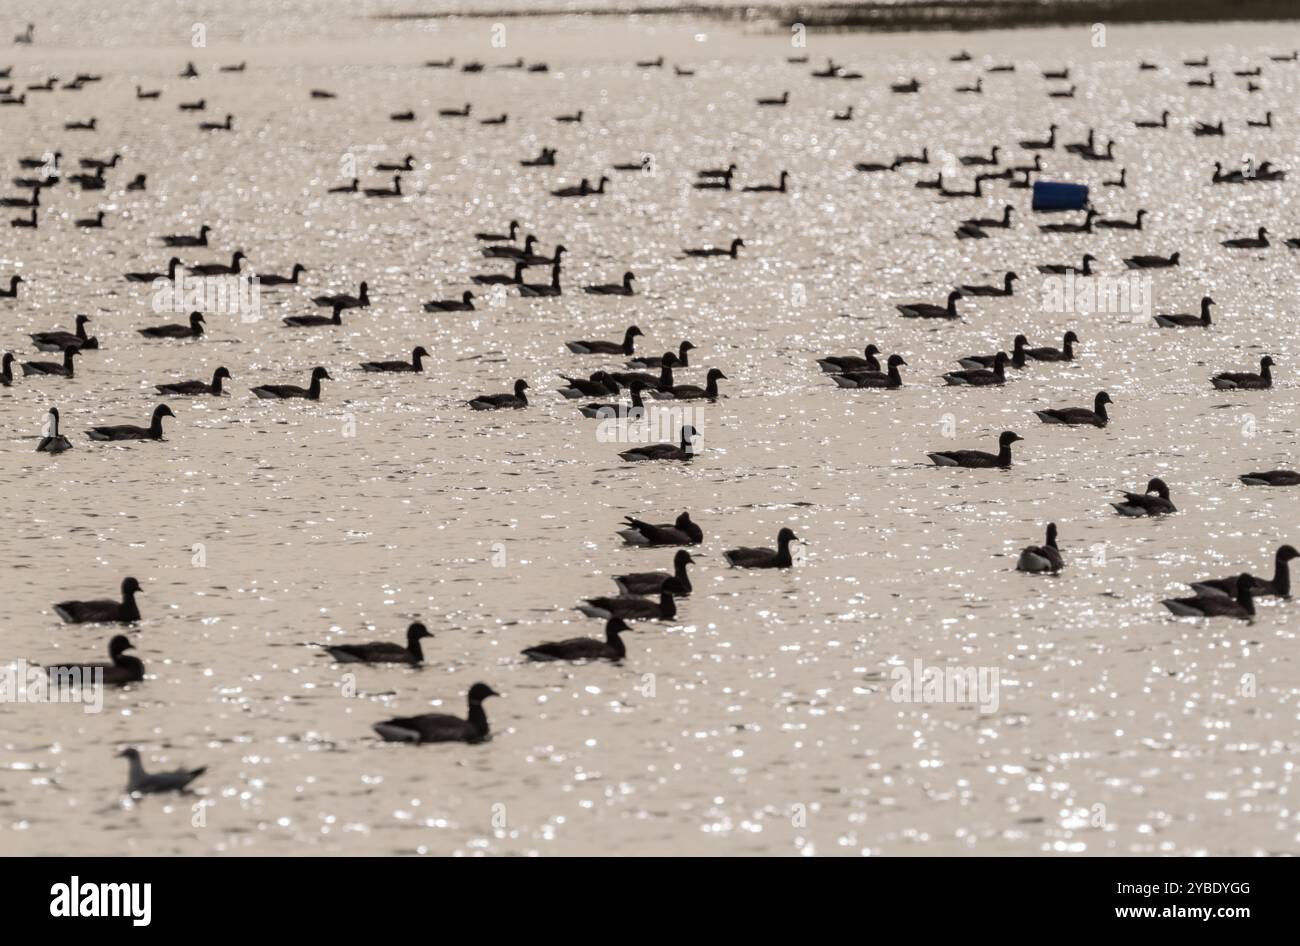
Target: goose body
x,y
220,269
1257,242
131,432
464,304
1242,606
1271,478
271,279
172,265
981,376
185,239
685,452
1076,416
1151,262
533,290
584,648
606,347
650,583
399,367
193,330
598,385
289,391
440,727
926,310
778,557
979,459
681,360
1136,224
196,387
680,532
53,442
1042,558
1136,505
1085,227
1236,381
692,392
717,251
1061,269
1064,353
492,402
103,611
873,379
360,301
635,607
384,652
315,321
838,364
61,341
512,252
1279,584
64,370
119,671
1017,359
498,279
1183,320
1006,288
614,289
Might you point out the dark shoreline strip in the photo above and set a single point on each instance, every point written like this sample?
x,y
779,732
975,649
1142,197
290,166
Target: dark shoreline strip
x,y
931,14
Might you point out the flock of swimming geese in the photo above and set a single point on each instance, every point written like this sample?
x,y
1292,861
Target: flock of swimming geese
x,y
642,595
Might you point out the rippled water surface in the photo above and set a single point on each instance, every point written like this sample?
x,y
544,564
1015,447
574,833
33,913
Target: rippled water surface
x,y
761,721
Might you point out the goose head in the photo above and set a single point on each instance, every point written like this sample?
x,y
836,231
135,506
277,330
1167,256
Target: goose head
x,y
715,375
1159,487
1102,398
222,373
161,411
131,587
896,360
480,692
520,387
1008,437
683,557
1071,338
320,374
1051,534
119,645
1266,362
786,536
418,353
1287,553
416,632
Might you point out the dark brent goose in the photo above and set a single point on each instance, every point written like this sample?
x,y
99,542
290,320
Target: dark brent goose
x,y
1216,605
500,237
1148,123
988,361
1047,353
1257,242
1046,145
172,265
121,669
1279,584
1085,227
584,648
464,304
272,279
635,606
61,341
1144,504
1183,320
441,727
186,239
383,652
1075,416
1135,224
131,432
981,376
1005,290
650,583
662,383
1151,262
220,269
360,301
1042,558
614,289
64,370
598,385
1271,478
736,244
499,279
552,288
87,612
53,441
316,321
979,459
512,252
284,391
693,392
582,189
926,310
607,348
492,402
12,291
838,364
779,188
351,188
140,782
398,366
196,387
873,379
778,557
91,223
193,330
394,191
681,532
636,409
987,223
666,451
407,164
1236,381
682,359
1061,269
7,369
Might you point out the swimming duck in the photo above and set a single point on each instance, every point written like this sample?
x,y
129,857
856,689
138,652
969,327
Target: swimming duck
x,y
981,377
398,366
131,432
121,670
53,442
873,379
717,251
315,321
271,279
681,360
1257,242
287,391
64,370
140,782
1144,504
60,341
979,459
1151,262
584,648
1188,321
926,310
1279,584
613,289
682,531
1217,605
1005,290
1271,478
1075,416
666,451
220,269
172,265
838,364
607,348
635,606
464,304
88,612
490,402
440,727
1042,558
650,583
762,557
1060,269
1047,353
383,652
196,387
359,301
193,330
1234,381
